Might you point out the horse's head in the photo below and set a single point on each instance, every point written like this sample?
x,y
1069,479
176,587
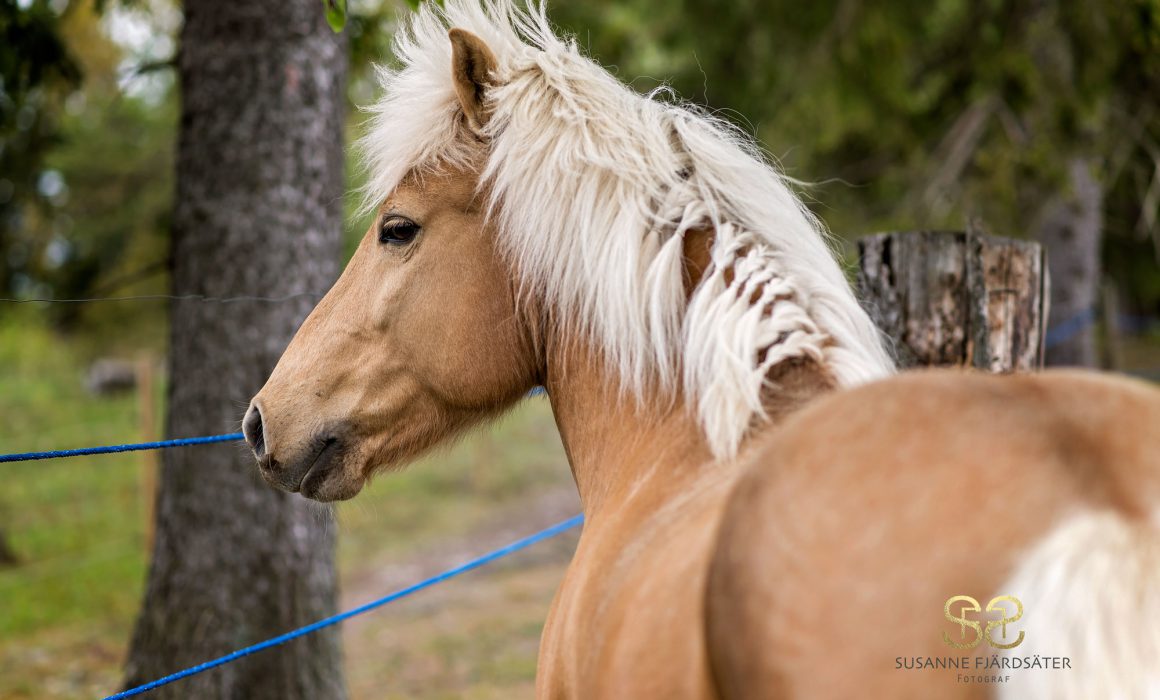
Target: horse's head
x,y
418,339
648,235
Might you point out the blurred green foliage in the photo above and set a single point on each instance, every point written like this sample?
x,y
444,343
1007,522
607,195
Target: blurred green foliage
x,y
90,207
921,114
335,13
894,115
37,70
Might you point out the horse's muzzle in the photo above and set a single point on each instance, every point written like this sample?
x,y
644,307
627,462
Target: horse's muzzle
x,y
302,470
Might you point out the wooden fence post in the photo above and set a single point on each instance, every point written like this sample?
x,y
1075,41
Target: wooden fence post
x,y
953,298
146,413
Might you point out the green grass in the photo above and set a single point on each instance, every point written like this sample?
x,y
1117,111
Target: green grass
x,y
76,524
79,528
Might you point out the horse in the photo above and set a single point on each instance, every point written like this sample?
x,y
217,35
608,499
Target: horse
x,y
771,509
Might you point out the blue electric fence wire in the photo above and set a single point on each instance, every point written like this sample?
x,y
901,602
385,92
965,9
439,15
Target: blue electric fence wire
x,y
179,442
335,619
1069,328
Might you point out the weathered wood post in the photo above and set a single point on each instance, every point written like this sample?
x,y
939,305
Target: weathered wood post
x,y
954,298
146,428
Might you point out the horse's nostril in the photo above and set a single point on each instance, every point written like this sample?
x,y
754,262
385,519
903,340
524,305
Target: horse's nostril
x,y
252,429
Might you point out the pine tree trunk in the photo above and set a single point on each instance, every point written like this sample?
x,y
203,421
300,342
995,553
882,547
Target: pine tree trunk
x,y
258,212
1070,227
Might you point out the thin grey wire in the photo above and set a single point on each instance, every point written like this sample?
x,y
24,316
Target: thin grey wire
x,y
179,297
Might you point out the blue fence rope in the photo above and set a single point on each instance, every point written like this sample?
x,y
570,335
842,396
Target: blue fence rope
x,y
132,447
1069,328
179,442
335,619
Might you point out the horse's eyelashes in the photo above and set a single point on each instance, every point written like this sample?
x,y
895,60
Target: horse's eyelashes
x,y
398,230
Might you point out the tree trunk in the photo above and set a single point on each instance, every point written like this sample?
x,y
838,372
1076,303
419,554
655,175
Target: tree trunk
x,y
258,212
1070,227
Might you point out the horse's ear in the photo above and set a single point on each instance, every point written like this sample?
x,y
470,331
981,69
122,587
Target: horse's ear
x,y
472,64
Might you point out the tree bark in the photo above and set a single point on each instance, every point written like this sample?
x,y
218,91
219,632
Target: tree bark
x,y
258,212
956,299
1070,227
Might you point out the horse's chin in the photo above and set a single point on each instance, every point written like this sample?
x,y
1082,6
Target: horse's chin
x,y
331,485
329,474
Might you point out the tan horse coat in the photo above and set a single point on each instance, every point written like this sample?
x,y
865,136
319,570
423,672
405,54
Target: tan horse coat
x,y
808,568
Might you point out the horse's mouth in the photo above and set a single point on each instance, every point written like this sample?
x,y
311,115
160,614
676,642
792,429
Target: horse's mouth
x,y
323,464
309,474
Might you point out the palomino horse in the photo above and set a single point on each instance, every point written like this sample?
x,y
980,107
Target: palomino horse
x,y
769,512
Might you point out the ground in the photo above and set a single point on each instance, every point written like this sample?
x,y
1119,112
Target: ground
x,y
472,637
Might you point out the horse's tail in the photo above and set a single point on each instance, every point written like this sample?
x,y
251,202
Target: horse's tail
x,y
1091,597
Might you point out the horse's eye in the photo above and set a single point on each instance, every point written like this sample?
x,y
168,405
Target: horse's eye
x,y
398,230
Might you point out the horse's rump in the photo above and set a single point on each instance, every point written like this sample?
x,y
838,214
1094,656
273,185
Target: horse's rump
x,y
860,516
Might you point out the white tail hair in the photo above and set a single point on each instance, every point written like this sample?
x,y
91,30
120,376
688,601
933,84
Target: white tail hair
x,y
1091,593
595,188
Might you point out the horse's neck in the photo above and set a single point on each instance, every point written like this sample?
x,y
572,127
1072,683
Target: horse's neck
x,y
650,450
618,446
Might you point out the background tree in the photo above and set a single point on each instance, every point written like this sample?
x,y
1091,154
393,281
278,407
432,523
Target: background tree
x,y
257,212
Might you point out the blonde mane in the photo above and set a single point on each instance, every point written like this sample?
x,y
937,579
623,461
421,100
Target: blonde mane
x,y
595,187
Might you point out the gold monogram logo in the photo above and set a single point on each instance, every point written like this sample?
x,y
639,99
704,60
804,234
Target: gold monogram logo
x,y
969,604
